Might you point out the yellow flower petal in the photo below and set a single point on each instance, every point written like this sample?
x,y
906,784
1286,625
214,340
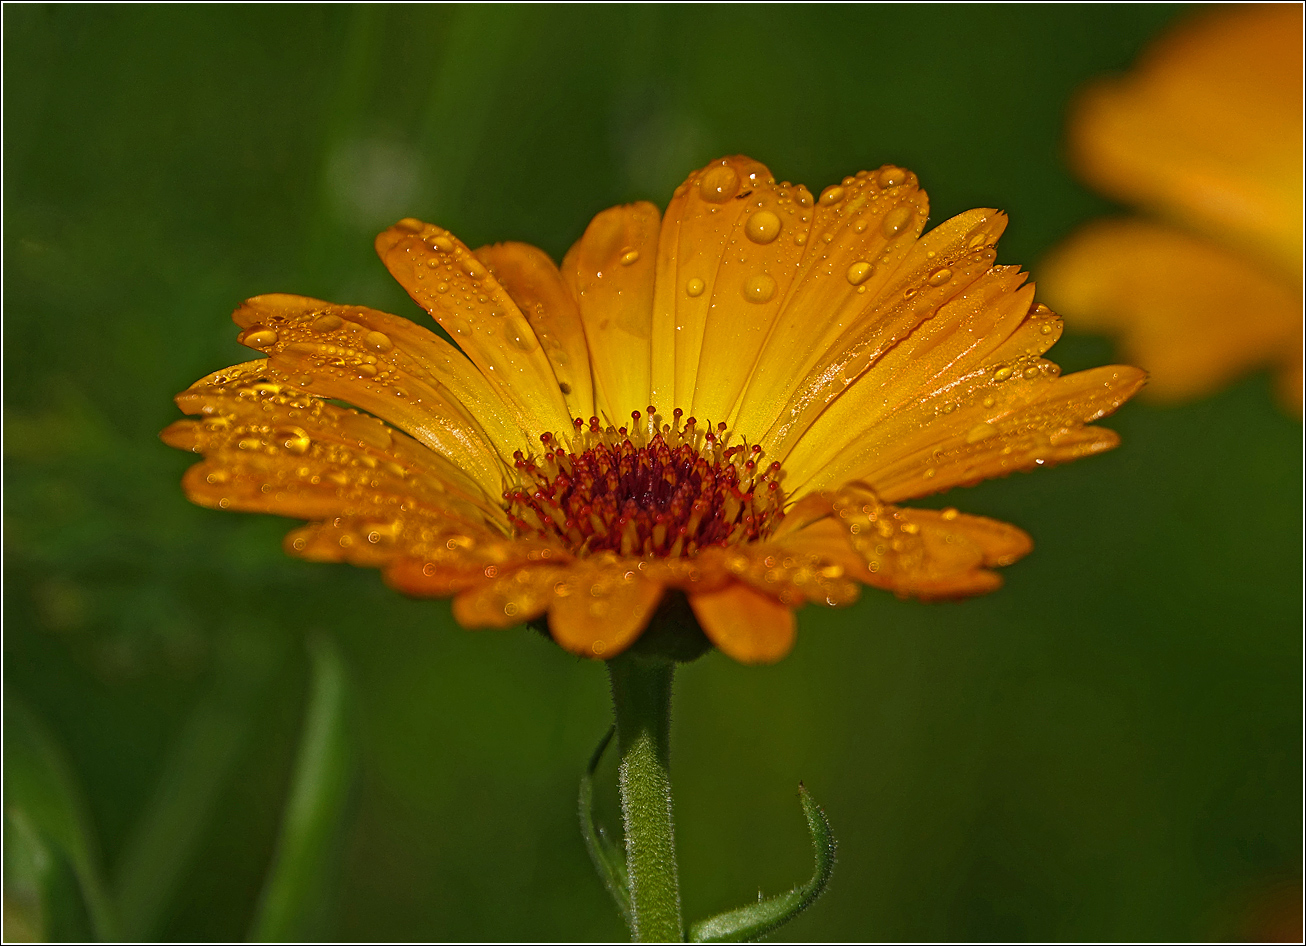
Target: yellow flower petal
x,y
610,272
745,624
934,270
730,251
600,611
537,287
391,367
1194,315
445,278
926,553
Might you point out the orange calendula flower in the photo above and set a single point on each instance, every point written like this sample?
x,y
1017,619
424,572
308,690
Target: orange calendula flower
x,y
729,399
1206,135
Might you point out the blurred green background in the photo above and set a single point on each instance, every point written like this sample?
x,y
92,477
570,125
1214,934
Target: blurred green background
x,y
1107,748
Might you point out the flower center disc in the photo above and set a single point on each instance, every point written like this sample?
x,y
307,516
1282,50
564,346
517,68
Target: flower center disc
x,y
653,489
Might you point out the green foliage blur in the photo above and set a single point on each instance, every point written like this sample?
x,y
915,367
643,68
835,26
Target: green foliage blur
x,y
206,739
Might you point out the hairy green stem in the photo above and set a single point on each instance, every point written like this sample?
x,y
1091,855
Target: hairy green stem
x,y
641,697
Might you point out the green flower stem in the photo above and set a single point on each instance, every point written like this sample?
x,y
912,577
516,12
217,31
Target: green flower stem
x,y
641,697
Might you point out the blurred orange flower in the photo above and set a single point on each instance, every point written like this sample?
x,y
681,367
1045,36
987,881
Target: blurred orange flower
x,y
728,399
1205,135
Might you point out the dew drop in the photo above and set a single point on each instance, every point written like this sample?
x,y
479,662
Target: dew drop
x,y
261,338
459,326
980,432
443,244
295,440
1045,328
759,288
694,287
473,269
831,195
859,272
629,256
940,276
762,227
719,184
378,341
519,335
366,370
800,239
411,224
977,240
327,323
1031,372
1002,374
989,402
895,221
892,177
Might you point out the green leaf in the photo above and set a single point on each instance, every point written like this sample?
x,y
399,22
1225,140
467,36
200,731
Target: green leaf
x,y
756,920
313,818
609,860
44,807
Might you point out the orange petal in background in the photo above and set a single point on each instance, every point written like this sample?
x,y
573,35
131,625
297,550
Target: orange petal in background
x,y
1193,314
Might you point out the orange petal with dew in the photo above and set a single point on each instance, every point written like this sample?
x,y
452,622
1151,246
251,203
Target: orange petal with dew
x,y
445,278
1207,130
732,250
390,367
926,276
1193,314
696,229
512,597
610,272
746,625
541,294
926,553
599,612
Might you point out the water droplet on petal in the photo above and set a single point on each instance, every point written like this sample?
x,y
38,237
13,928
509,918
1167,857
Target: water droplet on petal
x,y
940,276
759,288
327,323
1045,328
519,335
629,256
473,268
694,287
762,227
366,370
411,224
443,244
261,338
858,273
892,177
1002,374
719,184
378,341
895,221
1031,372
980,432
295,440
460,326
831,195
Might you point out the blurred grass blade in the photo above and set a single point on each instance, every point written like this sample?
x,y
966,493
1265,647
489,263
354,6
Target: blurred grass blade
x,y
609,860
756,920
41,794
171,828
311,824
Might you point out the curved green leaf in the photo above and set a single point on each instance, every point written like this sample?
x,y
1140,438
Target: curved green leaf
x,y
756,920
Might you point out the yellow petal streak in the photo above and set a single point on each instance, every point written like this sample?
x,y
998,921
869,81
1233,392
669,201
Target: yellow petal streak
x,y
537,287
445,278
610,271
748,626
